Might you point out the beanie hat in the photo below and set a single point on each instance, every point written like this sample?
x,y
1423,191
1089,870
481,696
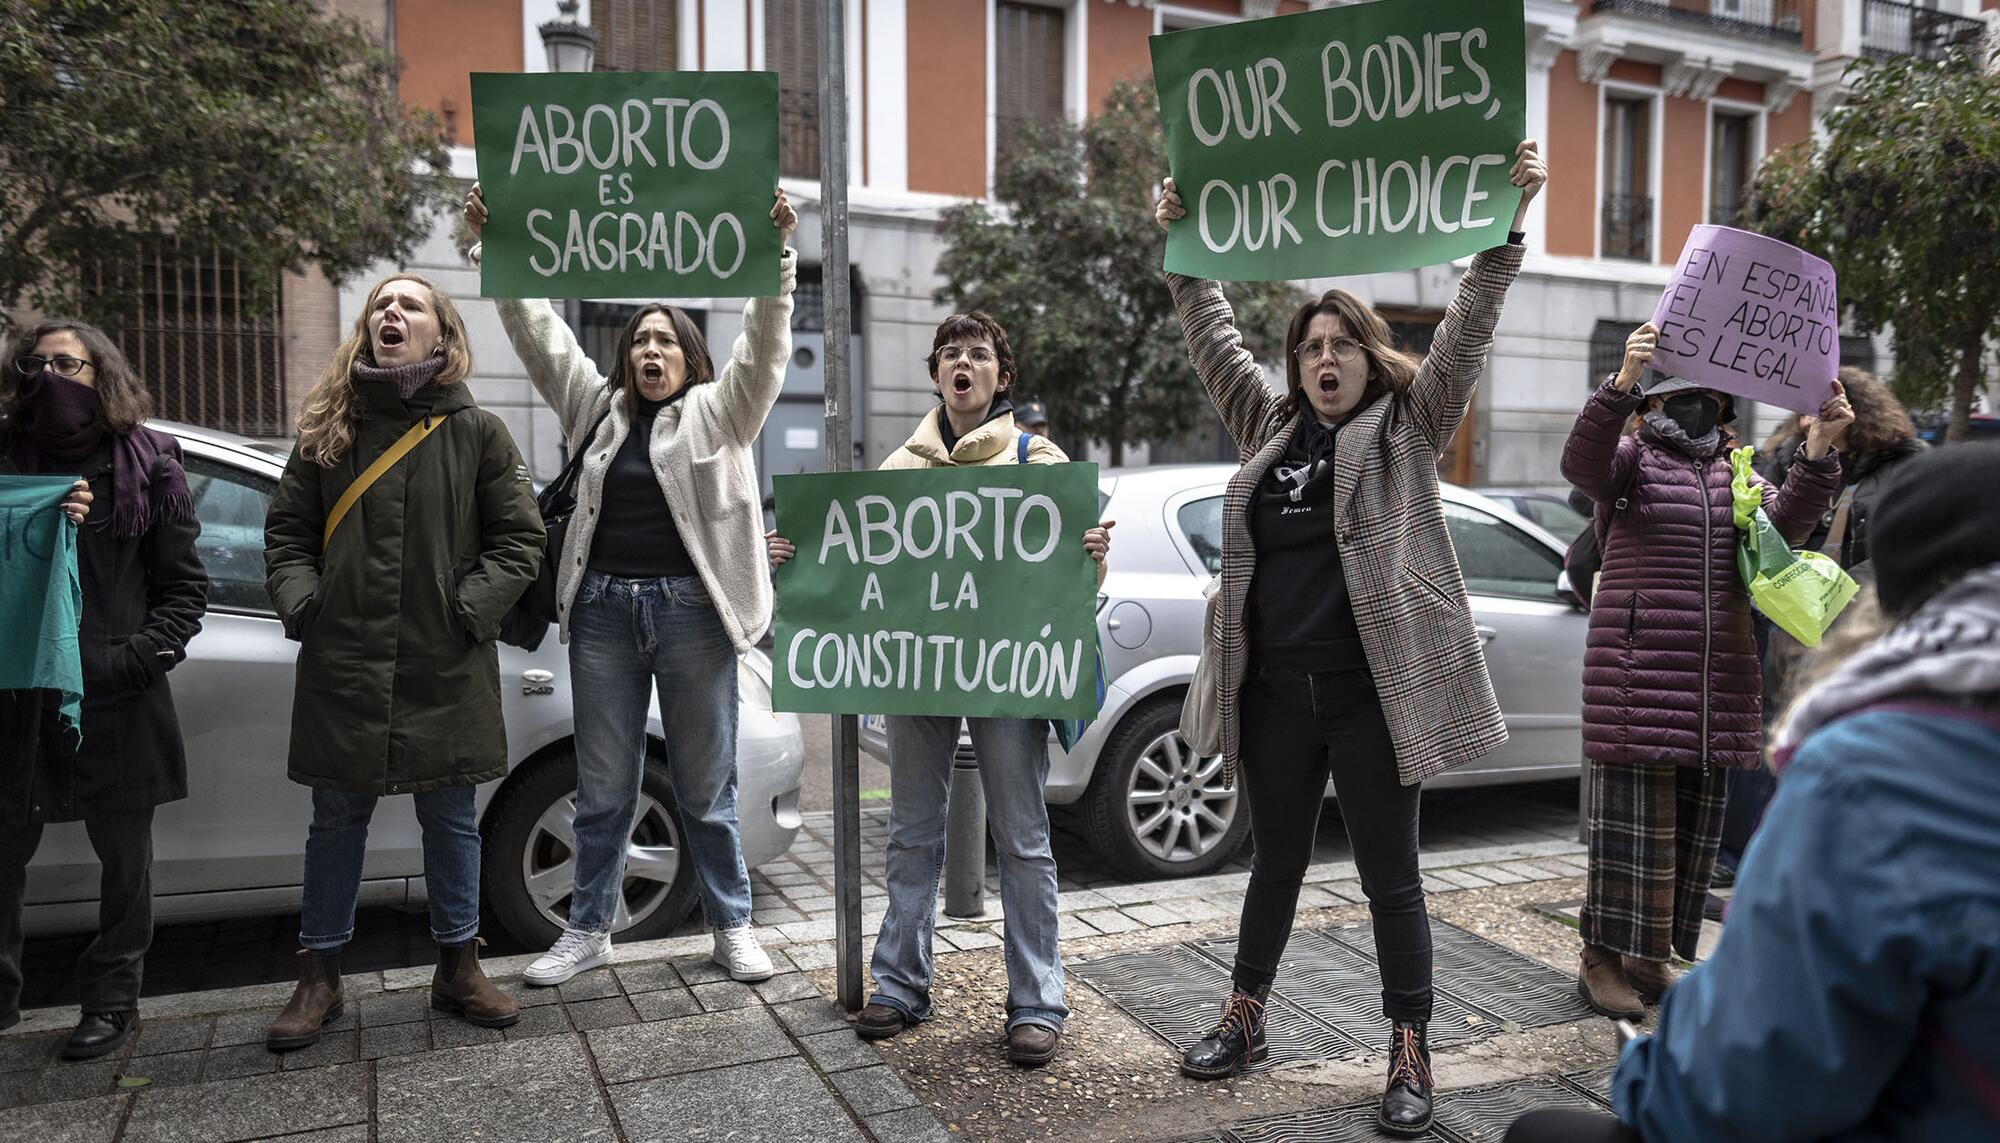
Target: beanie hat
x,y
1939,519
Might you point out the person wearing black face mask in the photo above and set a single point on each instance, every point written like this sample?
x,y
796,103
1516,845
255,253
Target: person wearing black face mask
x,y
1672,693
69,403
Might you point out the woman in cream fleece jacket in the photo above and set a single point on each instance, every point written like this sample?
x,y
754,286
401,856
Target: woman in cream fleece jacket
x,y
661,583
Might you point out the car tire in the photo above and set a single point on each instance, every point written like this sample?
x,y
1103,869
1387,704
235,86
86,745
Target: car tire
x,y
525,842
1147,782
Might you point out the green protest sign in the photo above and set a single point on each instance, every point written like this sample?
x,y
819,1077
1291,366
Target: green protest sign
x,y
628,184
1347,140
943,591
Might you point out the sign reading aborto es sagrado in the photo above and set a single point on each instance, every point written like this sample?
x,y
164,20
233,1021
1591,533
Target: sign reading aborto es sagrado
x,y
628,184
1348,140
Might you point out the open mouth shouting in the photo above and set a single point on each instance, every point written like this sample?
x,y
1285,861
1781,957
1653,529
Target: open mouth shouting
x,y
390,336
652,372
961,383
1329,384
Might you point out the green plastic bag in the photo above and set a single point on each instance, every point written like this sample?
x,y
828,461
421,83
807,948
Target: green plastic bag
x,y
1801,592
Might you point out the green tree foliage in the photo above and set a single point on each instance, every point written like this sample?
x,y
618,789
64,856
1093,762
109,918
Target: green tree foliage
x,y
260,128
1903,197
1072,269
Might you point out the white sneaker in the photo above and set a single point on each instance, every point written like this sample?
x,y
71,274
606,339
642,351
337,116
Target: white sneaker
x,y
738,951
575,951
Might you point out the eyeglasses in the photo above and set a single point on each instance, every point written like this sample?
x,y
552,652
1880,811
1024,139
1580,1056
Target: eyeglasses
x,y
63,364
953,354
1315,351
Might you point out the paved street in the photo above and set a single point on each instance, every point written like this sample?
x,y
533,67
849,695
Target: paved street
x,y
794,892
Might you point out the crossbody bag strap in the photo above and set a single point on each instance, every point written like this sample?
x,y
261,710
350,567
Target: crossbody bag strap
x,y
1021,449
395,452
1836,533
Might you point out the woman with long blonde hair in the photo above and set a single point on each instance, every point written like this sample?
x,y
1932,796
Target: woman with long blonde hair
x,y
396,595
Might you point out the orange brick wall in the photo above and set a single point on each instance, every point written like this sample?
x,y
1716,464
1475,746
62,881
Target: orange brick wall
x,y
1794,126
442,42
312,332
1683,174
947,84
1572,149
1117,48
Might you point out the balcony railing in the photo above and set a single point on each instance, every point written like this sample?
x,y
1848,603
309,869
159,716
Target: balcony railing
x,y
1892,29
1759,19
1628,227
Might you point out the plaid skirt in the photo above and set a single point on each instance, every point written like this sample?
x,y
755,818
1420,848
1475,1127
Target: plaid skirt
x,y
1654,828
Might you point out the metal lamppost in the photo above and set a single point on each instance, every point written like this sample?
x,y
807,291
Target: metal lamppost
x,y
571,46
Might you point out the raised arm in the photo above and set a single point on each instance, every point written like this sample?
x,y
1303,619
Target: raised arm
x,y
557,366
1234,380
750,382
1457,358
1599,459
1813,480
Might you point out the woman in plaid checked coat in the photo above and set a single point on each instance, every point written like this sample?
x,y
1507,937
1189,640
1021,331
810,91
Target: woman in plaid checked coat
x,y
1344,645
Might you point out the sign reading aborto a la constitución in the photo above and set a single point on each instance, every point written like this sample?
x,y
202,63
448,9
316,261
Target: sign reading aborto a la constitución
x,y
628,184
1349,140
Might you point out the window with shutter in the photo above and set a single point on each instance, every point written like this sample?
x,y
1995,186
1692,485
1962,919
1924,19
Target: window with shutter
x,y
791,48
1028,72
635,35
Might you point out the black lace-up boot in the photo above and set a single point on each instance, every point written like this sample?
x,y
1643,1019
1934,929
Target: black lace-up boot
x,y
1406,1102
1235,1042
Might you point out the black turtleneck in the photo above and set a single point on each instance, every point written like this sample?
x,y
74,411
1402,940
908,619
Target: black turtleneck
x,y
636,537
1299,616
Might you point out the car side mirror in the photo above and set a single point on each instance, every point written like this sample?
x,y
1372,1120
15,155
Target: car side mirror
x,y
1566,592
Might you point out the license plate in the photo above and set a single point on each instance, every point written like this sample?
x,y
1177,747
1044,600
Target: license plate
x,y
875,723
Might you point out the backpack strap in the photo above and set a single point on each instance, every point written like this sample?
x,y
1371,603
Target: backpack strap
x,y
395,452
1021,448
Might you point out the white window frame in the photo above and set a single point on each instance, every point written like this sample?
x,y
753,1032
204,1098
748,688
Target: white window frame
x,y
1656,99
1076,56
1189,18
1758,124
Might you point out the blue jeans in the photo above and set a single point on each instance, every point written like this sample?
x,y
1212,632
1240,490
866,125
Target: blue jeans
x,y
626,638
1013,758
339,838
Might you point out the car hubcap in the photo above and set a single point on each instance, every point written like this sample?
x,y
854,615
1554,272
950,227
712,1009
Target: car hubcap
x,y
1176,804
652,861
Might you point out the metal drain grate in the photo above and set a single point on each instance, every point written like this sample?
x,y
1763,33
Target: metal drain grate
x,y
1595,1083
1354,1124
1344,989
1177,994
1485,977
1483,1114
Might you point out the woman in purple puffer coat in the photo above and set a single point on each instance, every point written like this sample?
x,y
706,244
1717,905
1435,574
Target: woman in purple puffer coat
x,y
1672,693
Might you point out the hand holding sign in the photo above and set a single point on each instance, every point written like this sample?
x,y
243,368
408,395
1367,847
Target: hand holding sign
x,y
1824,431
1638,354
77,504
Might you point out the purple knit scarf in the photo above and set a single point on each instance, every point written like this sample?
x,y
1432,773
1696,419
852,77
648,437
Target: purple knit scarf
x,y
62,424
406,378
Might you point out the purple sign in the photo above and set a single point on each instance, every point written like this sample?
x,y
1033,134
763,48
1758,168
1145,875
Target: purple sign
x,y
1752,316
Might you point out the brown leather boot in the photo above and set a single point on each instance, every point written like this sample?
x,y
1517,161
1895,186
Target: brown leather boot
x,y
460,988
315,1003
1650,978
1602,984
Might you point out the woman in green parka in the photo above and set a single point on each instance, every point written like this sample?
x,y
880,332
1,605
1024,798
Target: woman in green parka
x,y
396,604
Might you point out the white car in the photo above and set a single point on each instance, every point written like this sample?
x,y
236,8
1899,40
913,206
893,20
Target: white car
x,y
235,846
1155,808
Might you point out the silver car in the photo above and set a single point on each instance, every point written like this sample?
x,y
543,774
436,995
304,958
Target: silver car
x,y
235,846
1156,809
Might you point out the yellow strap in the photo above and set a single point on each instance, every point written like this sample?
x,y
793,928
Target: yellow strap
x,y
373,472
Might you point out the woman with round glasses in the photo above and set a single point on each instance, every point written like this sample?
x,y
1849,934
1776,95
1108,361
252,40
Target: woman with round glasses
x,y
73,405
1343,643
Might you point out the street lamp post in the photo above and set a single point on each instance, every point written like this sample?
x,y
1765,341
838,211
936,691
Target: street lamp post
x,y
571,46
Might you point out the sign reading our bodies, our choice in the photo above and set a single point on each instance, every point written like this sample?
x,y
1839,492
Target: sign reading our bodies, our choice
x,y
1750,315
1344,141
628,184
945,592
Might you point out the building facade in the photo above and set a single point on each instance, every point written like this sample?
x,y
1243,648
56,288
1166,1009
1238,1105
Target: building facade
x,y
1653,115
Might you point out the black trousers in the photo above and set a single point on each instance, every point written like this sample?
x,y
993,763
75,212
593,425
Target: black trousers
x,y
1563,1125
1297,730
108,972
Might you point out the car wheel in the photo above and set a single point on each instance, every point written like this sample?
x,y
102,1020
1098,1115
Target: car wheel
x,y
529,865
1158,809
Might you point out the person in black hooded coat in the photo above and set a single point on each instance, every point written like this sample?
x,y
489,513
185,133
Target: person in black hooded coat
x,y
70,403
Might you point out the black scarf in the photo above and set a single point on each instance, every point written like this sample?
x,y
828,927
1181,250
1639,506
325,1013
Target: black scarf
x,y
62,425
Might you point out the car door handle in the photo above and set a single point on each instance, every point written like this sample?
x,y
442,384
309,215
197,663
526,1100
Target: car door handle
x,y
1487,634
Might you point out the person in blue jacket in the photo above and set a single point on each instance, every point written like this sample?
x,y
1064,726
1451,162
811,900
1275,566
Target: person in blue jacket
x,y
1856,992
